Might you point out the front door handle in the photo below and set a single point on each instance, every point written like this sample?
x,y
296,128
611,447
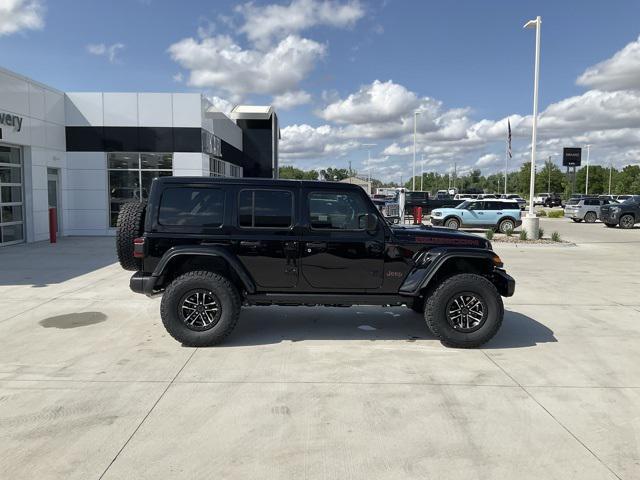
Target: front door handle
x,y
311,246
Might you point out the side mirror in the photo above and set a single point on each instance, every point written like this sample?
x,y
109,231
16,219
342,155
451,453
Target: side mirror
x,y
369,222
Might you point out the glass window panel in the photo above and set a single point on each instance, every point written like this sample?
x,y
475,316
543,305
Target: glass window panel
x,y
10,175
11,214
124,186
147,179
156,161
10,155
123,161
272,209
336,211
192,206
10,194
245,208
11,233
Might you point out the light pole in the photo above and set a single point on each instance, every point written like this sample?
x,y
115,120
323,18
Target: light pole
x,y
369,145
415,128
531,221
610,170
549,173
421,172
586,183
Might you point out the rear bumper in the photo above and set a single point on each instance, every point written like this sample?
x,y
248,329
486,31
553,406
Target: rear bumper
x,y
504,282
141,283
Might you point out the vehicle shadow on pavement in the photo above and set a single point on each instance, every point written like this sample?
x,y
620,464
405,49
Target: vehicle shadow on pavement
x,y
270,325
520,331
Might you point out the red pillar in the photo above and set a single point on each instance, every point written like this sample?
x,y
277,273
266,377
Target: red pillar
x,y
53,225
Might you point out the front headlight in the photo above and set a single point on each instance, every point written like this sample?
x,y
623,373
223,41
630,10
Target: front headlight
x,y
437,214
615,209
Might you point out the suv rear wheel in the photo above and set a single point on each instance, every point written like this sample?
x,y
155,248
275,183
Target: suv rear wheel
x,y
130,225
505,225
627,221
200,308
464,311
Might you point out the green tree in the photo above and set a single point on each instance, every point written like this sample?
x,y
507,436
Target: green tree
x,y
550,178
336,174
291,172
628,180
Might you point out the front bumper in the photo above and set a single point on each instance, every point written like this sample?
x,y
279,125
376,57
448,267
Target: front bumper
x,y
437,222
504,282
141,283
610,217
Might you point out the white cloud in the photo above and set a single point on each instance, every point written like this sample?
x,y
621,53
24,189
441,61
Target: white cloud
x,y
221,104
487,160
378,102
620,72
263,24
108,51
292,99
19,15
305,141
220,63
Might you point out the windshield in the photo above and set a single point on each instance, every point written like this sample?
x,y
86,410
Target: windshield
x,y
464,205
573,201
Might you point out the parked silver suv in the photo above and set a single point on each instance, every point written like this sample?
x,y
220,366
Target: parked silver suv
x,y
587,209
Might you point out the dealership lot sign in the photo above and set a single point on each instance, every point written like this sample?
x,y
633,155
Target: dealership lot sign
x,y
11,120
571,157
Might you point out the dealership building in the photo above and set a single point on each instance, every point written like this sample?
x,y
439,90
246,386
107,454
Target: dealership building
x,y
86,153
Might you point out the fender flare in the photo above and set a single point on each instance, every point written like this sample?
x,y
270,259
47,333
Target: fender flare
x,y
450,216
207,251
431,261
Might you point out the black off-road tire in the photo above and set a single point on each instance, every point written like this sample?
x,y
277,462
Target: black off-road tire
x,y
435,312
224,292
627,221
611,225
590,217
130,225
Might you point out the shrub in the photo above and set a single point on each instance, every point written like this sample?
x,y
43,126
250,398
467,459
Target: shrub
x,y
489,234
508,232
555,236
523,234
542,213
540,233
556,214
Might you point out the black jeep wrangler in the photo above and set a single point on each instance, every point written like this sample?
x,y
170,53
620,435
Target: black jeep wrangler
x,y
211,245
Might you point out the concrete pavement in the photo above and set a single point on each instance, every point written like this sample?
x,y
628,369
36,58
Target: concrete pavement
x,y
91,386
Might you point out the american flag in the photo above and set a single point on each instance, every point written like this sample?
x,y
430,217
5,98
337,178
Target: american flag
x,y
509,148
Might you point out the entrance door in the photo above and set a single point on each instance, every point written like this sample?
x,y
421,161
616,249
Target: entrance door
x,y
337,251
11,201
53,189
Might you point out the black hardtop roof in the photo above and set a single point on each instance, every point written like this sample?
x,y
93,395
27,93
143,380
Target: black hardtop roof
x,y
258,182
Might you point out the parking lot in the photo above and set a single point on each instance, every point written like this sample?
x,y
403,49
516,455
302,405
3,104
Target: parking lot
x,y
91,385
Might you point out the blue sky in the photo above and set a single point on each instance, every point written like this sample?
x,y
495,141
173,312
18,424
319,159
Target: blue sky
x,y
468,64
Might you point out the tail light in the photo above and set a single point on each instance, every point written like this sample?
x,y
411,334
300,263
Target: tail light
x,y
138,247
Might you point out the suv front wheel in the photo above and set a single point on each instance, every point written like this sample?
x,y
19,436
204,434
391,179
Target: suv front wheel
x,y
200,308
465,311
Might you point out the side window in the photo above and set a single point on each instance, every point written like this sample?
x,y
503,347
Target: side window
x,y
337,210
476,206
265,209
200,207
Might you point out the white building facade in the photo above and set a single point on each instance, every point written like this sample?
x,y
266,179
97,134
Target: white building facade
x,y
86,153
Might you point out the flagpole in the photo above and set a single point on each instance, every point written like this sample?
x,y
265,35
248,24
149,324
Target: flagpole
x,y
506,161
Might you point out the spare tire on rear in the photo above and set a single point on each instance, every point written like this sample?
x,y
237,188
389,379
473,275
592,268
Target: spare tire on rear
x,y
130,225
